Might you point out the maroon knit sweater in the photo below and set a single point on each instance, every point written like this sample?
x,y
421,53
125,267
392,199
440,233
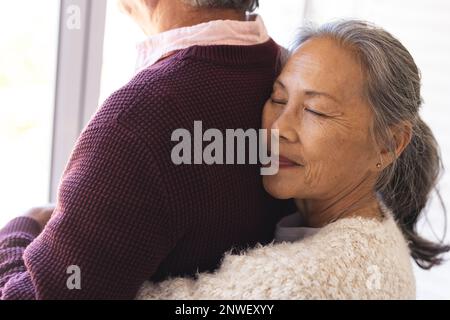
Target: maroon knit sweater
x,y
125,213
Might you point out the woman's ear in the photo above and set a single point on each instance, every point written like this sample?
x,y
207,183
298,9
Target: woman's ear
x,y
400,137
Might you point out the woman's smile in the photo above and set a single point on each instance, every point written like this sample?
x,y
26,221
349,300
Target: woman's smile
x,y
286,163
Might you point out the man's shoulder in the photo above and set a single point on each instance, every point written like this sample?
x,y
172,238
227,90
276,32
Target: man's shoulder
x,y
188,72
187,84
147,92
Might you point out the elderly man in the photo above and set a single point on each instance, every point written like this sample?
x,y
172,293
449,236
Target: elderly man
x,y
125,213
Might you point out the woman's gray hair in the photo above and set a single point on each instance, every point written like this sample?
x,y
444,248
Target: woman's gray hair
x,y
392,88
247,5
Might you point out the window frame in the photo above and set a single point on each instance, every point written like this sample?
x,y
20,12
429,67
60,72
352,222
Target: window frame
x,y
77,81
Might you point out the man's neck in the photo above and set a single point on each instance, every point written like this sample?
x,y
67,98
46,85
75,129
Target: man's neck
x,y
174,14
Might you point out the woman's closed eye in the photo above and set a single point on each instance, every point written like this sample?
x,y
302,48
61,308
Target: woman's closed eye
x,y
311,110
278,101
314,112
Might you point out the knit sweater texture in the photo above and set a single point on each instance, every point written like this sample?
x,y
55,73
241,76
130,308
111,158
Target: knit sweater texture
x,y
125,212
352,258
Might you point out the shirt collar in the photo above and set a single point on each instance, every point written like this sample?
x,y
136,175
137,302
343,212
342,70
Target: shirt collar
x,y
289,229
217,32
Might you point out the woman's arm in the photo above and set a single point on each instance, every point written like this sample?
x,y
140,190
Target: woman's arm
x,y
266,272
350,260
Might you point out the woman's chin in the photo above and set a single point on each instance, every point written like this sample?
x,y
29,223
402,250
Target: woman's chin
x,y
277,189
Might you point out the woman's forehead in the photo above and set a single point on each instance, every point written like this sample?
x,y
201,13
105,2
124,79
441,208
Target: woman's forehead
x,y
325,55
326,65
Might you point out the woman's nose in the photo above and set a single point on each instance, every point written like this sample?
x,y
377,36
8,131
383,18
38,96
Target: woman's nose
x,y
287,124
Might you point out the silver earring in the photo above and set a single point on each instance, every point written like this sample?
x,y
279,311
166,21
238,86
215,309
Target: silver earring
x,y
378,165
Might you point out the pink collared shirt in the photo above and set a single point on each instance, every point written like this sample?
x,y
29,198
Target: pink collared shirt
x,y
218,32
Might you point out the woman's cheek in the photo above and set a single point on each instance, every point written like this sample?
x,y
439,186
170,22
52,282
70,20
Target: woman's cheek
x,y
269,116
313,172
321,152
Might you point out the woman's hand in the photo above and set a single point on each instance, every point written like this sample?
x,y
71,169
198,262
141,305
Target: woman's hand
x,y
41,214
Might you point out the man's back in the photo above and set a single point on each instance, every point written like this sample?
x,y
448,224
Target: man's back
x,y
217,206
125,212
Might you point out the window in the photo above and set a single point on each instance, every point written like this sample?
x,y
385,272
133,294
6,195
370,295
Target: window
x,y
282,19
27,69
119,51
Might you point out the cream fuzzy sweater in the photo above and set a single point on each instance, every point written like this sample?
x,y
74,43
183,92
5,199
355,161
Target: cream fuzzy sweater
x,y
352,258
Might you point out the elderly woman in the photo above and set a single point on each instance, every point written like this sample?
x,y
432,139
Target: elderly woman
x,y
359,162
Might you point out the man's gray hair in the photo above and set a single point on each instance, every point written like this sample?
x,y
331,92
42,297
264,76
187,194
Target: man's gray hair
x,y
248,5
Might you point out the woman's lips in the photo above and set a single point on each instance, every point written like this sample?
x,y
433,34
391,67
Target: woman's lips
x,y
284,162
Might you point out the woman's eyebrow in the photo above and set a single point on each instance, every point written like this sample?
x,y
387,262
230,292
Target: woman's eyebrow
x,y
313,93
